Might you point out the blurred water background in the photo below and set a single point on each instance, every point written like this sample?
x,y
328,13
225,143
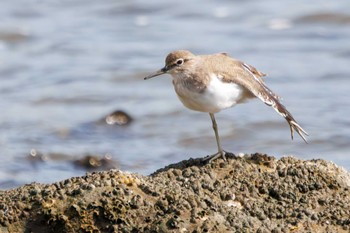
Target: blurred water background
x,y
65,65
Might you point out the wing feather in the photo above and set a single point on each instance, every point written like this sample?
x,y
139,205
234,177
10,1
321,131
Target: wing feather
x,y
251,79
270,98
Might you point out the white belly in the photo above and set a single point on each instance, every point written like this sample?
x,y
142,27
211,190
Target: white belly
x,y
217,96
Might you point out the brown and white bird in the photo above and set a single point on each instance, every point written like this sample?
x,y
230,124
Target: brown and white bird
x,y
211,83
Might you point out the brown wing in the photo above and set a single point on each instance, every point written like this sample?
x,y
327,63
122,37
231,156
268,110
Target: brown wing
x,y
250,78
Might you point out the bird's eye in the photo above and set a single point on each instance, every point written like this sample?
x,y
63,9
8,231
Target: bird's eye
x,y
180,61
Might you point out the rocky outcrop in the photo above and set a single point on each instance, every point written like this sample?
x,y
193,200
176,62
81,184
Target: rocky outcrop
x,y
251,193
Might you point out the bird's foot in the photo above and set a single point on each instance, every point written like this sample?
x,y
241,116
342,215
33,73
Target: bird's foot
x,y
215,156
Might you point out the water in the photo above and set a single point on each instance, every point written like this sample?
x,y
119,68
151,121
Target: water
x,y
64,65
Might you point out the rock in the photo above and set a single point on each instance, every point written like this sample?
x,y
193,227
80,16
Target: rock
x,y
253,193
117,117
94,162
325,17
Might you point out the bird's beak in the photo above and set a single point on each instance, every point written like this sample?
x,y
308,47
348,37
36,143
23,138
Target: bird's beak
x,y
159,72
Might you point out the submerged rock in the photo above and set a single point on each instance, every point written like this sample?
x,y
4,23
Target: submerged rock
x,y
325,17
94,162
253,193
117,117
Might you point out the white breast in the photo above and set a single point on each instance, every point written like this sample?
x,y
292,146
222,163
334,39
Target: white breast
x,y
217,96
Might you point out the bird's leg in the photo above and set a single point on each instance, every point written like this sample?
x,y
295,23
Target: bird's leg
x,y
221,152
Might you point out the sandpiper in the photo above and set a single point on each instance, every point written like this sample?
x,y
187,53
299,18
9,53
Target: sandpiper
x,y
211,83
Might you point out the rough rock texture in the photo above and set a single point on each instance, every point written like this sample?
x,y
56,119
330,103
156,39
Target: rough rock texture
x,y
254,193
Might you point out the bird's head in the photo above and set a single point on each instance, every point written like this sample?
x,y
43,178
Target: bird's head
x,y
175,62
